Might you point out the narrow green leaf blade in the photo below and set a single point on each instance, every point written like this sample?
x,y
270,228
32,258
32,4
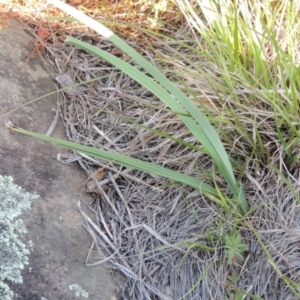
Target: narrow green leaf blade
x,y
205,133
130,162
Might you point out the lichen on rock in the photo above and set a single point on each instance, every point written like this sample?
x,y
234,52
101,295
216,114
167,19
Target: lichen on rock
x,y
13,252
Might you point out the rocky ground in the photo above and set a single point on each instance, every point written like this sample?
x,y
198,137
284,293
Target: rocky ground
x,y
60,243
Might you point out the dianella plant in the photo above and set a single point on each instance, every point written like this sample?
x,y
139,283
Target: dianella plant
x,y
196,122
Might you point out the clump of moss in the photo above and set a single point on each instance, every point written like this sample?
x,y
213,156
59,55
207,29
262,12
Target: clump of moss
x,y
13,253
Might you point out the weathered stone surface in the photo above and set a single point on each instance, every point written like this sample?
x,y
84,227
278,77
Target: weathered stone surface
x,y
60,244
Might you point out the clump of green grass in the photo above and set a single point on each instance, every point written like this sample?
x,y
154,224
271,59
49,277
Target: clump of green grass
x,y
251,54
254,49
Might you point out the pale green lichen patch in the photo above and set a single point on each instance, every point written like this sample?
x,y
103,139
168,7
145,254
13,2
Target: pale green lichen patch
x,y
79,291
13,253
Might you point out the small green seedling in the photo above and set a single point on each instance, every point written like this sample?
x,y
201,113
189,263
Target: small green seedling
x,y
234,248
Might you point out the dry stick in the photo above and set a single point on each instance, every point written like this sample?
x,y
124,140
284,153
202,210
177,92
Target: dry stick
x,y
91,232
98,230
101,261
103,222
103,193
112,179
54,122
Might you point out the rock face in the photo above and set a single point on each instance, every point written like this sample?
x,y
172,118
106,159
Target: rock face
x,y
60,243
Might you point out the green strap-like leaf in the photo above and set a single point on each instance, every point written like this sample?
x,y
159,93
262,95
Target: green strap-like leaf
x,y
166,91
132,163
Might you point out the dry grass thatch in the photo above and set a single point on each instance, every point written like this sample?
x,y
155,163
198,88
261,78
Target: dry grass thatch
x,y
168,240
